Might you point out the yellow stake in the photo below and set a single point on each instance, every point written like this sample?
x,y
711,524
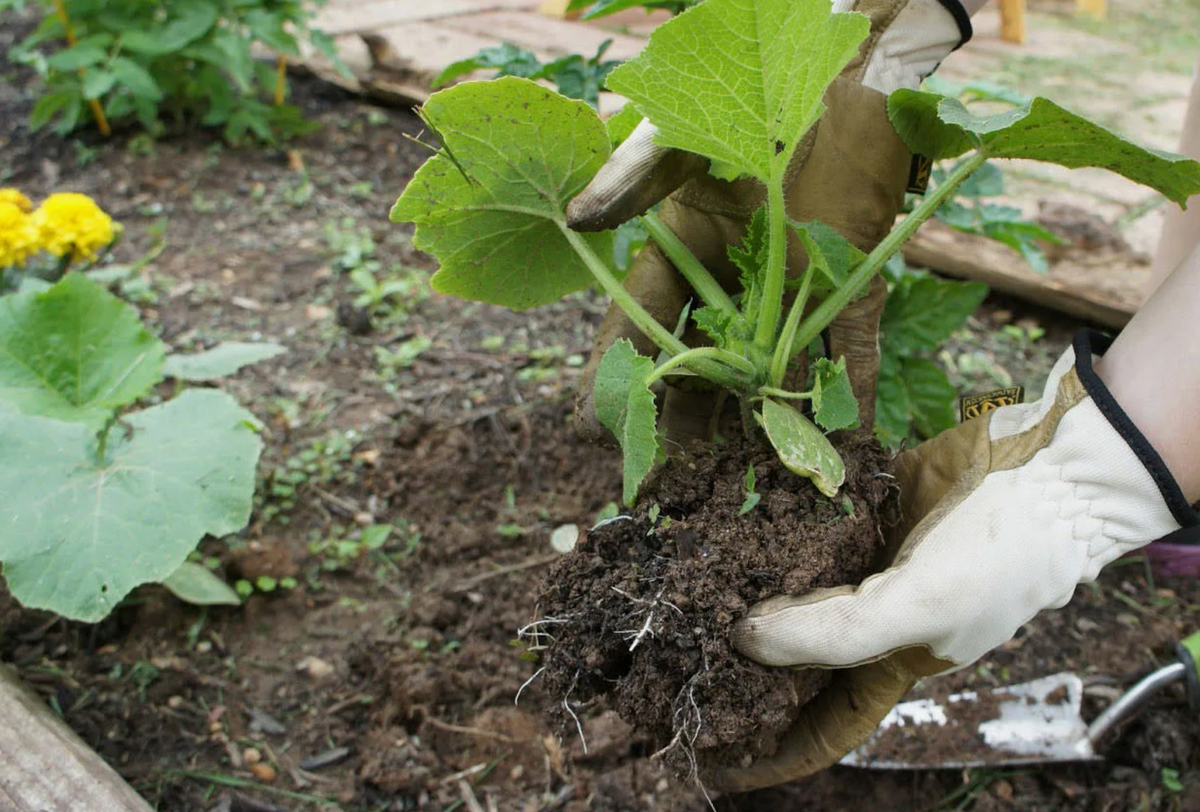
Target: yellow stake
x,y
280,80
97,110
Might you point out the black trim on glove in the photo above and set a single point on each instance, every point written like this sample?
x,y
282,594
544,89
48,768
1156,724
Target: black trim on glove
x,y
1088,343
965,30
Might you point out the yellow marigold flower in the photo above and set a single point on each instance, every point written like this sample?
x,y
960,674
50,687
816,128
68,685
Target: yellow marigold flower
x,y
15,197
18,235
71,223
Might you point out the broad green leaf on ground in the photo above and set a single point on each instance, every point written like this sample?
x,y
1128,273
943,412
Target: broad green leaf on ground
x,y
625,406
939,127
74,352
831,253
741,81
490,206
923,311
912,393
801,446
199,586
834,405
76,535
223,359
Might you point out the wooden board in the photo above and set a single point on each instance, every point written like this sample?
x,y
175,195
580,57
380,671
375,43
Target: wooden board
x,y
350,17
539,32
45,767
1104,290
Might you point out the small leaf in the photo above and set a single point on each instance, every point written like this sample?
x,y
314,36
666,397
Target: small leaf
x,y
131,75
194,584
912,392
78,56
801,446
922,311
191,21
834,405
939,127
77,535
491,205
750,93
224,359
625,406
830,252
74,352
752,497
375,536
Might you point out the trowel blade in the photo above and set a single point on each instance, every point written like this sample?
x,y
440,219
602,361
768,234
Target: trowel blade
x,y
1030,723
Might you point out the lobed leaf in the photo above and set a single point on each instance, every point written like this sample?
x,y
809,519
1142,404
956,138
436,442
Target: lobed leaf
x,y
78,534
74,352
912,392
490,206
801,446
940,127
741,81
831,253
834,405
922,311
625,406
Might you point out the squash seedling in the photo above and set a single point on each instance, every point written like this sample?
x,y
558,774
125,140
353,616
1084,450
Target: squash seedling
x,y
491,207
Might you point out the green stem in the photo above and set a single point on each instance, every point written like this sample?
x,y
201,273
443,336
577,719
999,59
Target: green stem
x,y
709,290
661,336
772,295
710,353
783,350
829,309
783,394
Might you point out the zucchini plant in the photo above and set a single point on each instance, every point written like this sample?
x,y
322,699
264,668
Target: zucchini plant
x,y
490,205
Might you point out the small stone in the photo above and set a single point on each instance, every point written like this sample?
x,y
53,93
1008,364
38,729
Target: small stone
x,y
364,519
1003,790
564,538
174,702
316,312
215,727
662,786
203,647
263,772
251,755
314,667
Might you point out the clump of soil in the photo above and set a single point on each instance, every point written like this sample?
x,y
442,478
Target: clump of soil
x,y
643,608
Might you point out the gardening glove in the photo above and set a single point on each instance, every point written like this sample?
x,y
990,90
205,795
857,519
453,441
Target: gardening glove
x,y
1002,518
850,173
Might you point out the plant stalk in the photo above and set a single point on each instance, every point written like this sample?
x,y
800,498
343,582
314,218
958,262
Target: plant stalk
x,y
69,34
709,290
829,309
689,357
661,336
783,350
771,307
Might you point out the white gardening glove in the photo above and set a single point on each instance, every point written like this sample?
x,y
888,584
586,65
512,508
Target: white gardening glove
x,y
1019,506
918,35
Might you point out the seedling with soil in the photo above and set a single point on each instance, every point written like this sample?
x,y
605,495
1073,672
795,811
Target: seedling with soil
x,y
641,610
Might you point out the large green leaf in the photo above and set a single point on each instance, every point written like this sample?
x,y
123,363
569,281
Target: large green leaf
x,y
801,446
77,534
912,393
940,127
741,81
223,359
625,406
491,205
74,352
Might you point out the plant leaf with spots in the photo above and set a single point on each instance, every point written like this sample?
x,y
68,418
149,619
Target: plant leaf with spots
x,y
625,406
801,446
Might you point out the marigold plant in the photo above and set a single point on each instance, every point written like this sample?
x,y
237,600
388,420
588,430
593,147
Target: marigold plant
x,y
72,223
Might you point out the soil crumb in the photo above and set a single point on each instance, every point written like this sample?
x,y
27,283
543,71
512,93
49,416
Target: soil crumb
x,y
641,612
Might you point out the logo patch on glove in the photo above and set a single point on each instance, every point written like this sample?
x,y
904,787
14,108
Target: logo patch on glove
x,y
974,406
918,175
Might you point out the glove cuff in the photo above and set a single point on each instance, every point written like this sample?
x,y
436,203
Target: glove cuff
x,y
1089,344
962,18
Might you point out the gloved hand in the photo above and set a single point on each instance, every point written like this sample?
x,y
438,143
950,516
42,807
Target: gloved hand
x,y
1003,517
850,173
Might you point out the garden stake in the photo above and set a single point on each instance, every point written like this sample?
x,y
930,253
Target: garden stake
x,y
97,110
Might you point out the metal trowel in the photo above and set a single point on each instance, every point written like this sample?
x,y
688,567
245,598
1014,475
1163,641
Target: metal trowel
x,y
1031,723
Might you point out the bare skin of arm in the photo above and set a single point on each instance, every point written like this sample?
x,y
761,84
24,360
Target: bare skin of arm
x,y
1181,229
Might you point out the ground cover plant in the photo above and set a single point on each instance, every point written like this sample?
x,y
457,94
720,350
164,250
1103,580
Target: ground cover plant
x,y
642,608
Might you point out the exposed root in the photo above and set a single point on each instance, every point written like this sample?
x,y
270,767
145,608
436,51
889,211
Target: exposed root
x,y
538,638
688,724
567,707
526,684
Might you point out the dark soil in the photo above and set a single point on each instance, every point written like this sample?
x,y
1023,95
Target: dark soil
x,y
643,608
385,680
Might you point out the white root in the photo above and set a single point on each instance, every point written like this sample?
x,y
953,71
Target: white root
x,y
526,684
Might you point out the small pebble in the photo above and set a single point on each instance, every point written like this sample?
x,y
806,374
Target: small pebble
x,y
203,647
215,727
251,755
175,702
564,538
314,667
263,772
1003,790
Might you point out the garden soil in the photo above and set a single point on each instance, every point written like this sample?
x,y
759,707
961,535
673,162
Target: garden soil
x,y
643,609
385,679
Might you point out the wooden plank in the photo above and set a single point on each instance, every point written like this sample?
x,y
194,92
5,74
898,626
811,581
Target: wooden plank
x,y
347,18
1092,8
539,32
1078,292
45,767
412,55
1012,21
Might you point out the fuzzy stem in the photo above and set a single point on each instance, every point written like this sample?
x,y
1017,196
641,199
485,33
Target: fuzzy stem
x,y
649,326
709,290
824,315
783,350
280,80
711,353
771,307
783,394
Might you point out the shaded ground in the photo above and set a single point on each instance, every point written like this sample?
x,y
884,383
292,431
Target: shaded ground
x,y
403,654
